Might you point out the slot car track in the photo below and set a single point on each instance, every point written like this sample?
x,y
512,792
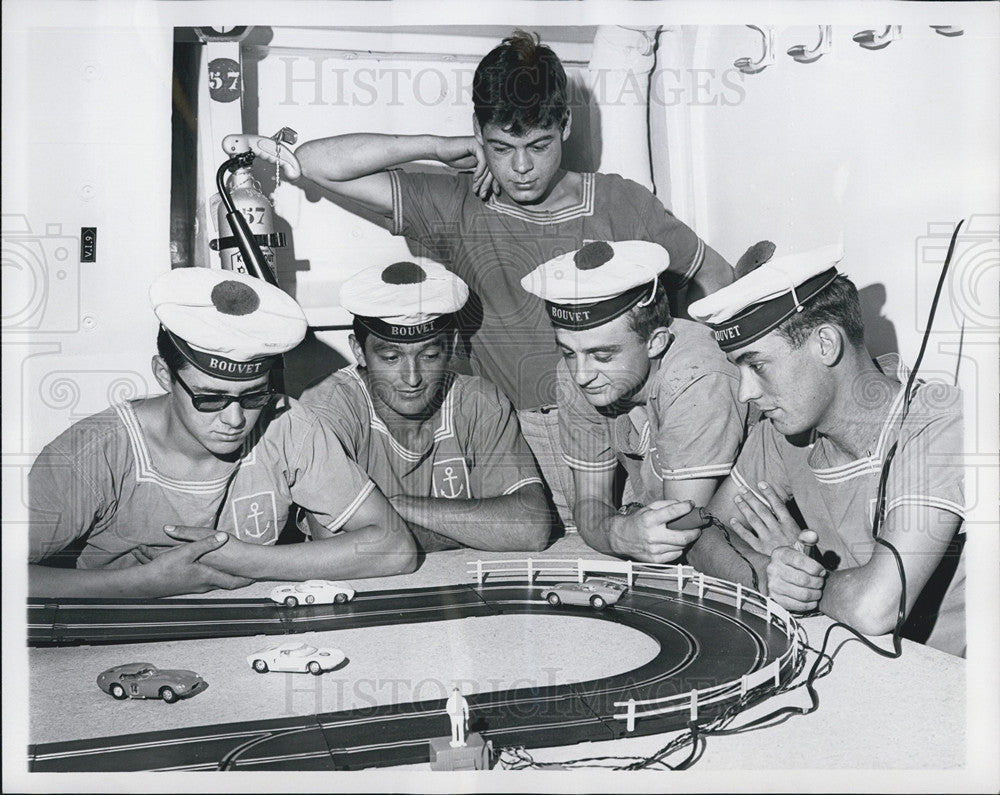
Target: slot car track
x,y
702,641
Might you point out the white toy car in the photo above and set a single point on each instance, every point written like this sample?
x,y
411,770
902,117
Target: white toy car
x,y
295,657
312,592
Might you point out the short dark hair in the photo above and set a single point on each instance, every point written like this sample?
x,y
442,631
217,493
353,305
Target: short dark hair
x,y
169,352
838,304
360,332
520,85
644,319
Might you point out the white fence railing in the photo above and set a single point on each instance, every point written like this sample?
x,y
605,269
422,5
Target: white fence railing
x,y
680,579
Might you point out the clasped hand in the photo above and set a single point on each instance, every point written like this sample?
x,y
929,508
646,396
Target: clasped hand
x,y
181,569
794,579
645,535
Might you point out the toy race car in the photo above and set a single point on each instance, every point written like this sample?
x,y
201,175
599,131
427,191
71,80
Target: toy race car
x,y
145,680
596,592
295,657
312,592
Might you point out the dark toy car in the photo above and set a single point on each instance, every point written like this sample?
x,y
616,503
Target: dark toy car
x,y
596,592
145,680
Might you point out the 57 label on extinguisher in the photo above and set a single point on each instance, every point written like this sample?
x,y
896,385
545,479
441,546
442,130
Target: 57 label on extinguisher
x,y
224,80
254,215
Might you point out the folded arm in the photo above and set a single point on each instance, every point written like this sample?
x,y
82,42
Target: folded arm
x,y
374,542
866,597
516,521
178,570
724,553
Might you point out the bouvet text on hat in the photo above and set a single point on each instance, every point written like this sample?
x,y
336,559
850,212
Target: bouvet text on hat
x,y
763,299
598,282
404,302
225,323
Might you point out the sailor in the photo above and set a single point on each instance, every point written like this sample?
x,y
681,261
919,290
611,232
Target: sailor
x,y
521,206
639,388
834,424
445,449
187,491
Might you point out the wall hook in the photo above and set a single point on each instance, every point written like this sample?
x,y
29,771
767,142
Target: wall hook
x,y
873,40
802,54
749,66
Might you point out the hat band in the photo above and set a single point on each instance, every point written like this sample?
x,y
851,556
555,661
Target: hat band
x,y
760,319
577,317
401,332
220,366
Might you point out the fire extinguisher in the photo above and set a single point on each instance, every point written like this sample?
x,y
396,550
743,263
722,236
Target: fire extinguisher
x,y
246,199
248,214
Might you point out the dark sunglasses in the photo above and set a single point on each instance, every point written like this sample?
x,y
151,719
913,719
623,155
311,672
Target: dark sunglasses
x,y
212,403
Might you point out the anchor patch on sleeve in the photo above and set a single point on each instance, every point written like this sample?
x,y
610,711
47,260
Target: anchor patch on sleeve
x,y
256,518
450,479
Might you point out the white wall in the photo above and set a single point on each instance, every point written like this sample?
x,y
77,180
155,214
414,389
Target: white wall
x,y
886,149
86,142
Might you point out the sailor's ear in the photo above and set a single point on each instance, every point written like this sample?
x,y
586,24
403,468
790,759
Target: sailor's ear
x,y
161,373
357,350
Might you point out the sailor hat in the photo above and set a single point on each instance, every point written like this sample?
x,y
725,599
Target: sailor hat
x,y
760,301
225,323
597,283
404,302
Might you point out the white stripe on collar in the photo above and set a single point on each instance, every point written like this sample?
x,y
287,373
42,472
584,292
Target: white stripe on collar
x,y
582,209
443,431
873,464
145,470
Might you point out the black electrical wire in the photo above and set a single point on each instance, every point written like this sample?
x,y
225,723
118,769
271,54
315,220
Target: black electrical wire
x,y
649,105
725,532
823,664
897,647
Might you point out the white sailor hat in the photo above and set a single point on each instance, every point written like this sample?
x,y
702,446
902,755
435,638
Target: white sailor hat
x,y
404,302
225,323
760,301
599,282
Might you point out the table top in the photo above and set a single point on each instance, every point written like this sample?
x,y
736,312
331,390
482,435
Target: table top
x,y
874,713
